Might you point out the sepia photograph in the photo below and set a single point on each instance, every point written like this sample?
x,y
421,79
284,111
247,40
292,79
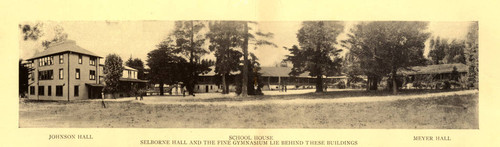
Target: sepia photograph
x,y
321,74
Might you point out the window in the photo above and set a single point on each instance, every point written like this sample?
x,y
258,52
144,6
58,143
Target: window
x,y
41,90
211,87
92,75
46,75
79,59
45,61
61,73
76,91
77,74
32,90
49,90
92,61
59,90
61,59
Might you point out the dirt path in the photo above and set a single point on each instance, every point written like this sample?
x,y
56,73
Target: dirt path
x,y
311,101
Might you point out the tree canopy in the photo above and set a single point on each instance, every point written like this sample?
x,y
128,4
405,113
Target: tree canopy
x,y
472,55
189,40
383,47
136,63
317,53
113,70
166,67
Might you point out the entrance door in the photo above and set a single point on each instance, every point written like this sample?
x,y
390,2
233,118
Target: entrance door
x,y
206,88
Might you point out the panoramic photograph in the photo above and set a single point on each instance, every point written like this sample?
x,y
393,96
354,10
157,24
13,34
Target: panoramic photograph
x,y
249,74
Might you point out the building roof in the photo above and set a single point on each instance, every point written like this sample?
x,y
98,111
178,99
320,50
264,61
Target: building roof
x,y
434,69
66,46
129,68
212,72
279,72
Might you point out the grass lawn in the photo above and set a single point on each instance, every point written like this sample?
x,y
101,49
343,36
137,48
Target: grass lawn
x,y
451,112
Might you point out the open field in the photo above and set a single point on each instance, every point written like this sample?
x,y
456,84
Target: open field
x,y
442,112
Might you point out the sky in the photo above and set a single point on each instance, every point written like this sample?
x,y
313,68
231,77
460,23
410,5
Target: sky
x,y
137,38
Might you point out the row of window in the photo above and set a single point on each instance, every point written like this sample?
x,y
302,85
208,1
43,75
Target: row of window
x,y
46,75
59,90
45,61
91,61
49,74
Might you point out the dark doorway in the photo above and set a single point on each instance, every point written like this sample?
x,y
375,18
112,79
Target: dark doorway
x,y
206,88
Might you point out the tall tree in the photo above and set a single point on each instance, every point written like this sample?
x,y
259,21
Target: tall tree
x,y
247,36
224,37
438,49
166,67
455,52
136,63
190,41
255,84
113,70
383,47
472,55
317,53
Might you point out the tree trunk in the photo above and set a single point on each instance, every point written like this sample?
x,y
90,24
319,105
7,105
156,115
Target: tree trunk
x,y
244,90
368,83
192,73
161,88
224,84
372,83
394,83
319,83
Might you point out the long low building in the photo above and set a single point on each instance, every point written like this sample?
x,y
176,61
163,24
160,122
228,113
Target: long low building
x,y
274,78
425,75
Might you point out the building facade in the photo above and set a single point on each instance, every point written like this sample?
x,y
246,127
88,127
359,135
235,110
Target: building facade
x,y
64,71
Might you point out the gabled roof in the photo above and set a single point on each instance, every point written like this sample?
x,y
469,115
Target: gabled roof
x,y
66,46
434,69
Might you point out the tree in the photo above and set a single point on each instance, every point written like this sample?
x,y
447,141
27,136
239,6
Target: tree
x,y
247,36
165,66
59,36
190,41
23,78
444,52
317,53
36,31
471,56
255,84
437,49
224,37
113,70
351,67
136,64
455,52
31,32
383,47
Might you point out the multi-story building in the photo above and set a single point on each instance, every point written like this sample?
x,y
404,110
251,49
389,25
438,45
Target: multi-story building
x,y
64,71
